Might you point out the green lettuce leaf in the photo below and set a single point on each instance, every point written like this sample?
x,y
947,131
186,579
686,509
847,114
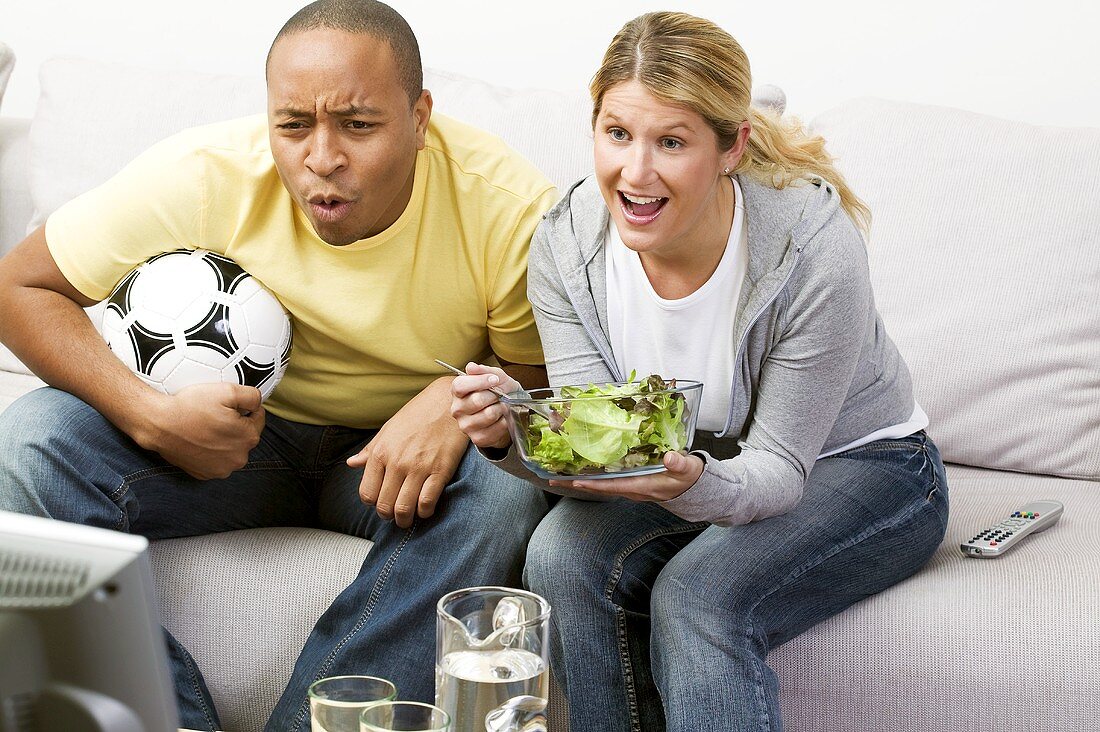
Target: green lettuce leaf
x,y
599,431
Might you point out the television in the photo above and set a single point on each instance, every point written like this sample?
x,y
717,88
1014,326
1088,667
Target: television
x,y
81,648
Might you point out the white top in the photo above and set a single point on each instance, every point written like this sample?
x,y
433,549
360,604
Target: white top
x,y
692,337
687,338
917,422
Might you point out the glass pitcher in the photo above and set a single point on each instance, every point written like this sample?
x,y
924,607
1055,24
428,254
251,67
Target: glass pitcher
x,y
491,662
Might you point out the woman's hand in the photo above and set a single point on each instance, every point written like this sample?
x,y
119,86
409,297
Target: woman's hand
x,y
477,410
681,473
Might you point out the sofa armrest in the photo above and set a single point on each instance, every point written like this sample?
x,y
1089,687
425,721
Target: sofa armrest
x,y
15,196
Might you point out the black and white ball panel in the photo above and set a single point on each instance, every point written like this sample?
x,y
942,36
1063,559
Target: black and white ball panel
x,y
193,316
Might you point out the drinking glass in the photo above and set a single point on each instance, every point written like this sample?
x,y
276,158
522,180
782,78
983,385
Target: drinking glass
x,y
408,716
336,702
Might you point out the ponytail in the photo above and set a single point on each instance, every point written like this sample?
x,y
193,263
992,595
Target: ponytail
x,y
780,152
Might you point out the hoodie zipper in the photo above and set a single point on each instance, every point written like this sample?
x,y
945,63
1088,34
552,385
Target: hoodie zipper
x,y
734,391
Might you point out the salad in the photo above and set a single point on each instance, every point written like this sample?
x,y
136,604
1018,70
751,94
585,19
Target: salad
x,y
608,428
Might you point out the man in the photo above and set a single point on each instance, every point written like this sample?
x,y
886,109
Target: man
x,y
392,237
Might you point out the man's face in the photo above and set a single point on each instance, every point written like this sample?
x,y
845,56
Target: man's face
x,y
343,133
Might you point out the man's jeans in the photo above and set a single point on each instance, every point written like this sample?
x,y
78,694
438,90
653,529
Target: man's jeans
x,y
61,458
659,623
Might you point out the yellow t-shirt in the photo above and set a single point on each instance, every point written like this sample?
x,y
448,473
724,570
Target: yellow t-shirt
x,y
448,280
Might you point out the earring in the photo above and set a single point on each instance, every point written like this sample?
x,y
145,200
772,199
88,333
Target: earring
x,y
725,171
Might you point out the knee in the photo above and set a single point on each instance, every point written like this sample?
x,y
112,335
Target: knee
x,y
693,601
495,504
563,560
30,422
29,433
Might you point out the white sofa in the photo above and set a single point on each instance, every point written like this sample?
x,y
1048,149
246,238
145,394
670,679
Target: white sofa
x,y
985,254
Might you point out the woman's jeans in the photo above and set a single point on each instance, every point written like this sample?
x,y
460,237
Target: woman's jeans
x,y
61,458
659,623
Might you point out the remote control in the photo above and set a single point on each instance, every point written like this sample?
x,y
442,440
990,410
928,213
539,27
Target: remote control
x,y
996,540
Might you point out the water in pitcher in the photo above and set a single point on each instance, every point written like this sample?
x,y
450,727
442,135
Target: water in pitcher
x,y
471,684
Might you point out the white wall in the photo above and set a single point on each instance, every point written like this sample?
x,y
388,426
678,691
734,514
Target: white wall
x,y
1036,62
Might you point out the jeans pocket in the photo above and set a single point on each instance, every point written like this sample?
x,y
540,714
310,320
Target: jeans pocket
x,y
915,455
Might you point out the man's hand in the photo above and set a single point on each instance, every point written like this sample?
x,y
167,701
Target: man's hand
x,y
413,457
681,472
206,429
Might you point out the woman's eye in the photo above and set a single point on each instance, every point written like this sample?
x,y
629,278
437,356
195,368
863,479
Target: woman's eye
x,y
670,144
617,134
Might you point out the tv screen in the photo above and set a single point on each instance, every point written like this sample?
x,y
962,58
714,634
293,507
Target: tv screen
x,y
81,648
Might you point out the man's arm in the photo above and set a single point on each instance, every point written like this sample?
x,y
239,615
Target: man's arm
x,y
206,430
531,377
417,451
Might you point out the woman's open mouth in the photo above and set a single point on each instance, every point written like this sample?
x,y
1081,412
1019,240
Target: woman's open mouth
x,y
641,210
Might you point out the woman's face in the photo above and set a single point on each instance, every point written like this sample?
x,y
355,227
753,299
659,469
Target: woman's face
x,y
659,167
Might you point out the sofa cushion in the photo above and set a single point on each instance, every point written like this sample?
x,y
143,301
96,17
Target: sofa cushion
x,y
243,604
94,117
985,261
549,128
946,649
7,63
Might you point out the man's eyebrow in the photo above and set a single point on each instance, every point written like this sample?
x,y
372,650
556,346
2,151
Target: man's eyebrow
x,y
350,110
356,110
292,112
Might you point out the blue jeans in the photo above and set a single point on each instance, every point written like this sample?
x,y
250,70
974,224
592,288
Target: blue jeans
x,y
61,458
659,623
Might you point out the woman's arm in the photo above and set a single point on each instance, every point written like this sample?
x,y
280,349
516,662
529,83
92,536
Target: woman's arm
x,y
803,384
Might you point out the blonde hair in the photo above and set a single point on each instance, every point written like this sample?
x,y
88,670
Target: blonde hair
x,y
685,60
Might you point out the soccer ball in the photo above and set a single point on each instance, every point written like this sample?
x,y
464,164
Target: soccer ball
x,y
193,316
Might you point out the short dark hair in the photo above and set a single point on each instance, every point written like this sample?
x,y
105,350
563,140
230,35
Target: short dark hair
x,y
370,17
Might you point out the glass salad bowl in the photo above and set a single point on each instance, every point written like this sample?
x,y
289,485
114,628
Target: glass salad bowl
x,y
603,431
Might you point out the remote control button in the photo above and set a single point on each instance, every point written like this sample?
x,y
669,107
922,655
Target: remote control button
x,y
993,543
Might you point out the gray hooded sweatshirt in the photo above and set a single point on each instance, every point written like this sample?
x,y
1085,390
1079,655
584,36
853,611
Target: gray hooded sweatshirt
x,y
814,371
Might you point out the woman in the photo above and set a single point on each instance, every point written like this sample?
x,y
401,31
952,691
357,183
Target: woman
x,y
716,244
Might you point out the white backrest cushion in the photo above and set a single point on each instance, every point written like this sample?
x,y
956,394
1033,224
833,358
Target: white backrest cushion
x,y
551,129
94,117
7,63
985,258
